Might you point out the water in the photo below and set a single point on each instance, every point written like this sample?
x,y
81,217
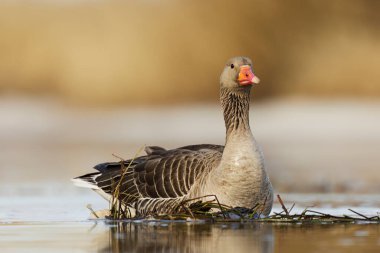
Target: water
x,y
44,144
92,236
54,218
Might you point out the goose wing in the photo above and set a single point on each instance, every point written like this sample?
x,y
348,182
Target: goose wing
x,y
160,175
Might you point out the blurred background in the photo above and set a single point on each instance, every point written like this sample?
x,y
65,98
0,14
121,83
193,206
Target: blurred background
x,y
82,80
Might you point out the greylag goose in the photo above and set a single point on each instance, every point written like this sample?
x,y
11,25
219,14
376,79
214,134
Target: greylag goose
x,y
158,181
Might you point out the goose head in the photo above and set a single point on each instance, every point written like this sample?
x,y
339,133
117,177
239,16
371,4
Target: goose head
x,y
238,73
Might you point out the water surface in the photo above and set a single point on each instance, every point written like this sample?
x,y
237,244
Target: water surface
x,y
150,236
54,218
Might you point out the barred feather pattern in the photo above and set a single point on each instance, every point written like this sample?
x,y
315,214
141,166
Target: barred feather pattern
x,y
235,105
159,181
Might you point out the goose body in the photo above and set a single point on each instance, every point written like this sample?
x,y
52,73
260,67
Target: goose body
x,y
158,181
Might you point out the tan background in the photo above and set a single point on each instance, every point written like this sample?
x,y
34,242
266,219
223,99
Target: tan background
x,y
80,80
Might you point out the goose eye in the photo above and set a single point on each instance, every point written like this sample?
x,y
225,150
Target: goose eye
x,y
232,66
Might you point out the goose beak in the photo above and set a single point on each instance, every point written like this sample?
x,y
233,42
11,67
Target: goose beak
x,y
246,76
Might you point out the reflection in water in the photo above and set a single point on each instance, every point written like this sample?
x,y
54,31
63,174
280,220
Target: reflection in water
x,y
359,237
189,237
150,236
153,236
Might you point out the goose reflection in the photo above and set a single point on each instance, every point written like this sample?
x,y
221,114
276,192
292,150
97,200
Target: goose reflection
x,y
153,236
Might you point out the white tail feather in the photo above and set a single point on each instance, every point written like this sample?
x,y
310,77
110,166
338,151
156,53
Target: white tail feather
x,y
84,184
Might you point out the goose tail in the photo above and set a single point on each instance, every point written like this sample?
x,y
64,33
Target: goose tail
x,y
88,181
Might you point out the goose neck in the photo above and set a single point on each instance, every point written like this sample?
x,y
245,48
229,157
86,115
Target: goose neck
x,y
235,104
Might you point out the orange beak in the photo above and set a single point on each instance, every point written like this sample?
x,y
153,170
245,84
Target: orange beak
x,y
246,76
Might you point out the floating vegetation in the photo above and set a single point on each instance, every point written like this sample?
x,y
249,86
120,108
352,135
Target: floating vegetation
x,y
214,211
201,210
311,216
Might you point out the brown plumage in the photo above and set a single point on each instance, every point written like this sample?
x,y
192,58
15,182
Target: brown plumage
x,y
160,180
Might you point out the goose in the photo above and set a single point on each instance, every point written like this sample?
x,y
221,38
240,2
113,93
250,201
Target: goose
x,y
162,179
